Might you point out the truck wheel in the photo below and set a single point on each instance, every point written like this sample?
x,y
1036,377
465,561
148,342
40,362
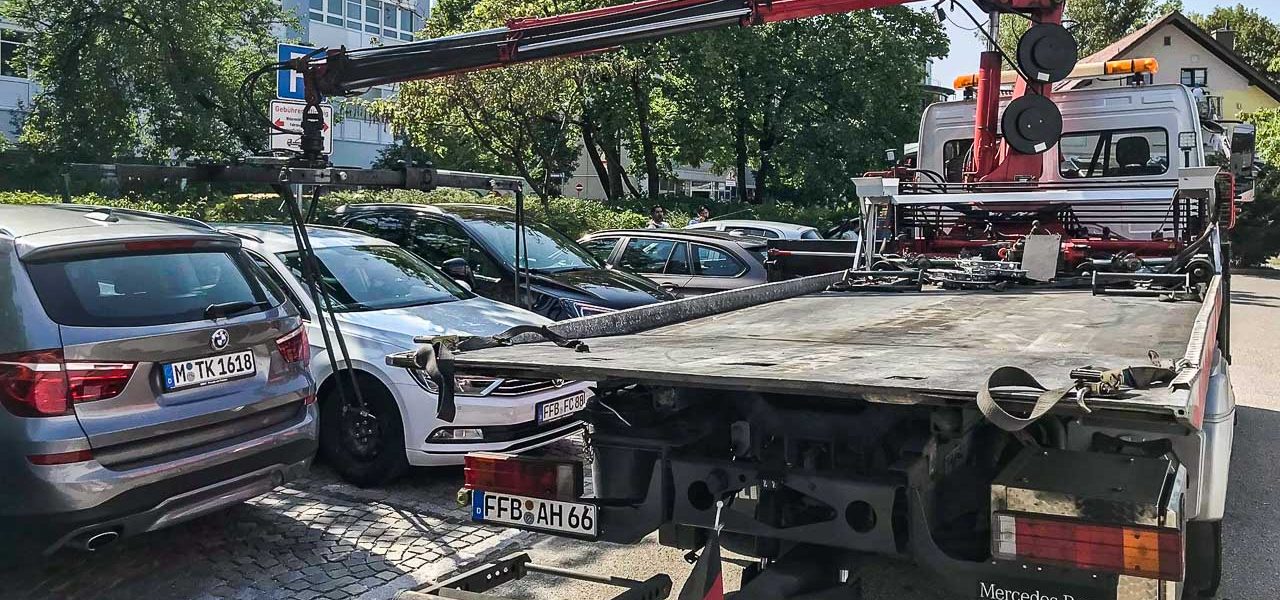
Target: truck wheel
x,y
365,448
1204,560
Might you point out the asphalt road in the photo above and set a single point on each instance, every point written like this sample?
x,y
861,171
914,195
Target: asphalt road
x,y
1251,529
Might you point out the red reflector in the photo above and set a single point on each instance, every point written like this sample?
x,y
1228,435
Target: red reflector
x,y
159,245
309,400
61,458
34,384
521,476
294,346
1138,550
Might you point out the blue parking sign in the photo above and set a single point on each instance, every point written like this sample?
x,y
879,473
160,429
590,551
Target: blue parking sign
x,y
289,82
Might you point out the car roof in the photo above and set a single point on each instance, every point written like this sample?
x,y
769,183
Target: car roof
x,y
754,223
278,237
460,209
20,220
742,240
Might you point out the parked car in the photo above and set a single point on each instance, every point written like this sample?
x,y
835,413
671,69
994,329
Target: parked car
x,y
476,243
764,229
685,262
149,374
383,296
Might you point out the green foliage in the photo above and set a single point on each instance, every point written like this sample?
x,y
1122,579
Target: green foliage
x,y
1257,37
1256,236
150,78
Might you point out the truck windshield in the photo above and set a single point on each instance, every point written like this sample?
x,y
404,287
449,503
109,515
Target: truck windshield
x,y
1115,153
364,278
549,251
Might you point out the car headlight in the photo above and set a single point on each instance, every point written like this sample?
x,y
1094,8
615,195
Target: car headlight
x,y
583,309
456,434
463,385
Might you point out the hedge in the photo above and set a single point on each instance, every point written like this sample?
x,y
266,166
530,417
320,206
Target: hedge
x,y
573,216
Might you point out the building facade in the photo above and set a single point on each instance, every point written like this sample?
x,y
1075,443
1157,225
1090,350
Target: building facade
x,y
1224,83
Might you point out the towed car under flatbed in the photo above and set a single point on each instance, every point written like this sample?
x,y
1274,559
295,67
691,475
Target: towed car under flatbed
x,y
930,346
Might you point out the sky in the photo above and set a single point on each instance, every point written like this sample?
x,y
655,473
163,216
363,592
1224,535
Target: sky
x,y
965,45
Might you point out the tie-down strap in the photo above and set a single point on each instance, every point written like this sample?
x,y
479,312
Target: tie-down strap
x,y
1089,381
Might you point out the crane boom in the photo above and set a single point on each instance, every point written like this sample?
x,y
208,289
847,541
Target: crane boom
x,y
343,72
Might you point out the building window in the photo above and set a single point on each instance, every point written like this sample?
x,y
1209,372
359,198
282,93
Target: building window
x,y
1168,40
1196,77
11,44
391,20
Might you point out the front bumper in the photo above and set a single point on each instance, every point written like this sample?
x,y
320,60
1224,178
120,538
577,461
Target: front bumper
x,y
513,439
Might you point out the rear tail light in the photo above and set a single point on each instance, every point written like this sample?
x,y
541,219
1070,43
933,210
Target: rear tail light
x,y
294,346
40,384
159,245
521,476
1138,550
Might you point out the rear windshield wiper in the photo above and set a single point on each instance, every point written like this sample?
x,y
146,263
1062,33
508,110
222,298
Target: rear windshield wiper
x,y
231,309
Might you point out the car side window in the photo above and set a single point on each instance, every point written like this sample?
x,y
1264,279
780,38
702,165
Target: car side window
x,y
645,255
755,231
712,262
393,228
438,241
678,264
601,248
275,278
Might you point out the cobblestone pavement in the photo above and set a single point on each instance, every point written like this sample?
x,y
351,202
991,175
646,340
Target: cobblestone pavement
x,y
314,538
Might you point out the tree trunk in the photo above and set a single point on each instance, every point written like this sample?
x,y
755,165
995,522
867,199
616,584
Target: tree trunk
x,y
613,153
589,133
641,96
740,153
767,142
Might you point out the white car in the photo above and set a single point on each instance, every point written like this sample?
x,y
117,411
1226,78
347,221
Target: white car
x,y
764,229
383,296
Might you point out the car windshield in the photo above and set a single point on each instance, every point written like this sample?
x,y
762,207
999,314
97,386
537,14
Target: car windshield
x,y
363,278
549,251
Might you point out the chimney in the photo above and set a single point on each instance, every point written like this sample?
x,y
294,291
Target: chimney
x,y
1226,37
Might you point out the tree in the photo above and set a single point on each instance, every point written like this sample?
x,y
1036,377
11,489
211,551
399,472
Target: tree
x,y
513,120
1257,37
152,78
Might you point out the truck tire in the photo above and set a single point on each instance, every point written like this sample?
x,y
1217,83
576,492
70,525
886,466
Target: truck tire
x,y
1204,560
369,453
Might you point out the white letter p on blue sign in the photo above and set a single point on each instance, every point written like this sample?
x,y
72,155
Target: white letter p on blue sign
x,y
289,82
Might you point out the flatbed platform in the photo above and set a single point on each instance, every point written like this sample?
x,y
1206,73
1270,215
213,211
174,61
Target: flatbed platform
x,y
886,347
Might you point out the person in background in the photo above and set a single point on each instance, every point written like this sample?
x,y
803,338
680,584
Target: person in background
x,y
704,215
658,218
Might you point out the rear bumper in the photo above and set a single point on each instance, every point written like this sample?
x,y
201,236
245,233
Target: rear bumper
x,y
89,498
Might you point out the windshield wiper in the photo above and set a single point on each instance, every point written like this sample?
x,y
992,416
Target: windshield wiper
x,y
231,309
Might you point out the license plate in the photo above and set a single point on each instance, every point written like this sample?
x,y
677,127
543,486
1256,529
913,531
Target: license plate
x,y
534,513
553,410
208,370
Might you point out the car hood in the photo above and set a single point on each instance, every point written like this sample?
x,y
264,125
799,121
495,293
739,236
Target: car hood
x,y
608,288
398,326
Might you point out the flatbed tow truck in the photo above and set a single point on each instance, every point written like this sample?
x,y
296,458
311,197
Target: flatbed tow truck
x,y
1022,388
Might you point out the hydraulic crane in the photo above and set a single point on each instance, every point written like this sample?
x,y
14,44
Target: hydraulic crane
x,y
1046,55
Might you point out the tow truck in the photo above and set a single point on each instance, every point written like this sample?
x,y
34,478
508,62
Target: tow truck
x,y
1022,387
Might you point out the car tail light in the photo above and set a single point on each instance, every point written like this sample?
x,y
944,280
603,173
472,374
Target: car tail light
x,y
40,384
1138,550
294,346
521,476
61,458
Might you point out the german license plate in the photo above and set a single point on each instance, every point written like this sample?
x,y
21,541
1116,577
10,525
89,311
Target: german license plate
x,y
533,513
208,370
553,410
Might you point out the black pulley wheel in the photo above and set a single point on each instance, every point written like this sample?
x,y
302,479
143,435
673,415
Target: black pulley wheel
x,y
1032,124
1047,53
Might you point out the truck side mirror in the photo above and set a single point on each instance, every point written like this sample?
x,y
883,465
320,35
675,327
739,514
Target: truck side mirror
x,y
459,270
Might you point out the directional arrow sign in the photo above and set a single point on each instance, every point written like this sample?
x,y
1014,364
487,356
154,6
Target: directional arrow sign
x,y
288,115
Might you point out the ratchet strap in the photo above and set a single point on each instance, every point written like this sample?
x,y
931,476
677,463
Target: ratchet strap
x,y
505,339
1089,381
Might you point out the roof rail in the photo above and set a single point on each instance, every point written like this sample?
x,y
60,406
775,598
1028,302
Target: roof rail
x,y
361,205
243,236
